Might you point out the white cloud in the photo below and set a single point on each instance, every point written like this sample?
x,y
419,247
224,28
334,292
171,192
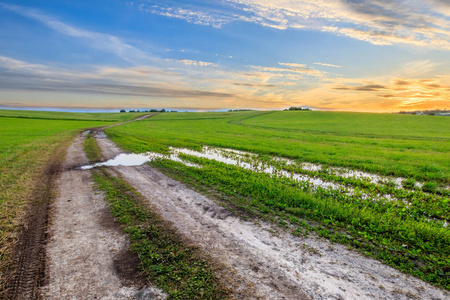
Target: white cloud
x,y
210,18
189,62
379,22
293,65
327,65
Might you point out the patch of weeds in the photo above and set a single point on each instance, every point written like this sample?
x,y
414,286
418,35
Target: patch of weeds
x,y
409,183
387,182
178,269
429,187
310,250
92,149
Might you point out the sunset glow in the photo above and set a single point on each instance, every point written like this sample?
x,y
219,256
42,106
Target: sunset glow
x,y
376,56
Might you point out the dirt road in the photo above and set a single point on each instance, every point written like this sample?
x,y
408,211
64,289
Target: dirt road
x,y
87,254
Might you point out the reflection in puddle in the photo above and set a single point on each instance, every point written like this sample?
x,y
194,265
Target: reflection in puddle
x,y
241,159
121,160
249,161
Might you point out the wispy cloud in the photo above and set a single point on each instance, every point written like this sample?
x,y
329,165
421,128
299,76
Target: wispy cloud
x,y
188,62
265,87
22,76
169,9
327,65
379,22
407,93
101,41
290,68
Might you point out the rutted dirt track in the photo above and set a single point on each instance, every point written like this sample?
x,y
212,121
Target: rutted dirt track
x,y
87,257
86,250
29,256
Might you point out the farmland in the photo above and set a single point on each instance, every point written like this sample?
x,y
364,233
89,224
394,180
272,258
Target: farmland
x,y
403,224
27,146
49,115
411,150
375,183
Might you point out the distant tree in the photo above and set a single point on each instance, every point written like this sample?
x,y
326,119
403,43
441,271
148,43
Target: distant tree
x,y
123,110
299,108
163,110
153,110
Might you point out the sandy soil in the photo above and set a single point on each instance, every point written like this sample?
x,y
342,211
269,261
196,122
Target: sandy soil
x,y
87,256
276,264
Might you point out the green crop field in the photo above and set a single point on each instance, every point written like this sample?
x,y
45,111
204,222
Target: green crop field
x,y
25,149
399,145
405,227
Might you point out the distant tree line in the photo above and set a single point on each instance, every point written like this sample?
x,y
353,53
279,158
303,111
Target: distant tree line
x,y
241,109
147,110
298,108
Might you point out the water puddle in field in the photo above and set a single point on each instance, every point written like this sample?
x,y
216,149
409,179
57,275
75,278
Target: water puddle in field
x,y
251,161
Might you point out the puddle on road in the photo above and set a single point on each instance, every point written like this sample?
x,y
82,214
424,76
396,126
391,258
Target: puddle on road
x,y
133,159
121,160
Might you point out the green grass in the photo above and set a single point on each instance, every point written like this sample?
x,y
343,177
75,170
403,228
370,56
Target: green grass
x,y
104,117
399,233
361,124
26,147
419,149
178,269
92,149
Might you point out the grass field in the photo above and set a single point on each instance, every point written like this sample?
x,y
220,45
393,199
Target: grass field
x,y
27,145
100,117
405,228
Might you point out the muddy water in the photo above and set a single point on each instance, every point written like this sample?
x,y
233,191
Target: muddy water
x,y
250,161
134,159
227,156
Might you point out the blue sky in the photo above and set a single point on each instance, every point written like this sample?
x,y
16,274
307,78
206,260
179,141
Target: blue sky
x,y
355,55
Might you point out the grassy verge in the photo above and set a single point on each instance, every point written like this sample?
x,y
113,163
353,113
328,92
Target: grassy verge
x,y
177,268
92,149
387,234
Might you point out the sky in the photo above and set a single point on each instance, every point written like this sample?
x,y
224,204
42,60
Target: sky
x,y
339,55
